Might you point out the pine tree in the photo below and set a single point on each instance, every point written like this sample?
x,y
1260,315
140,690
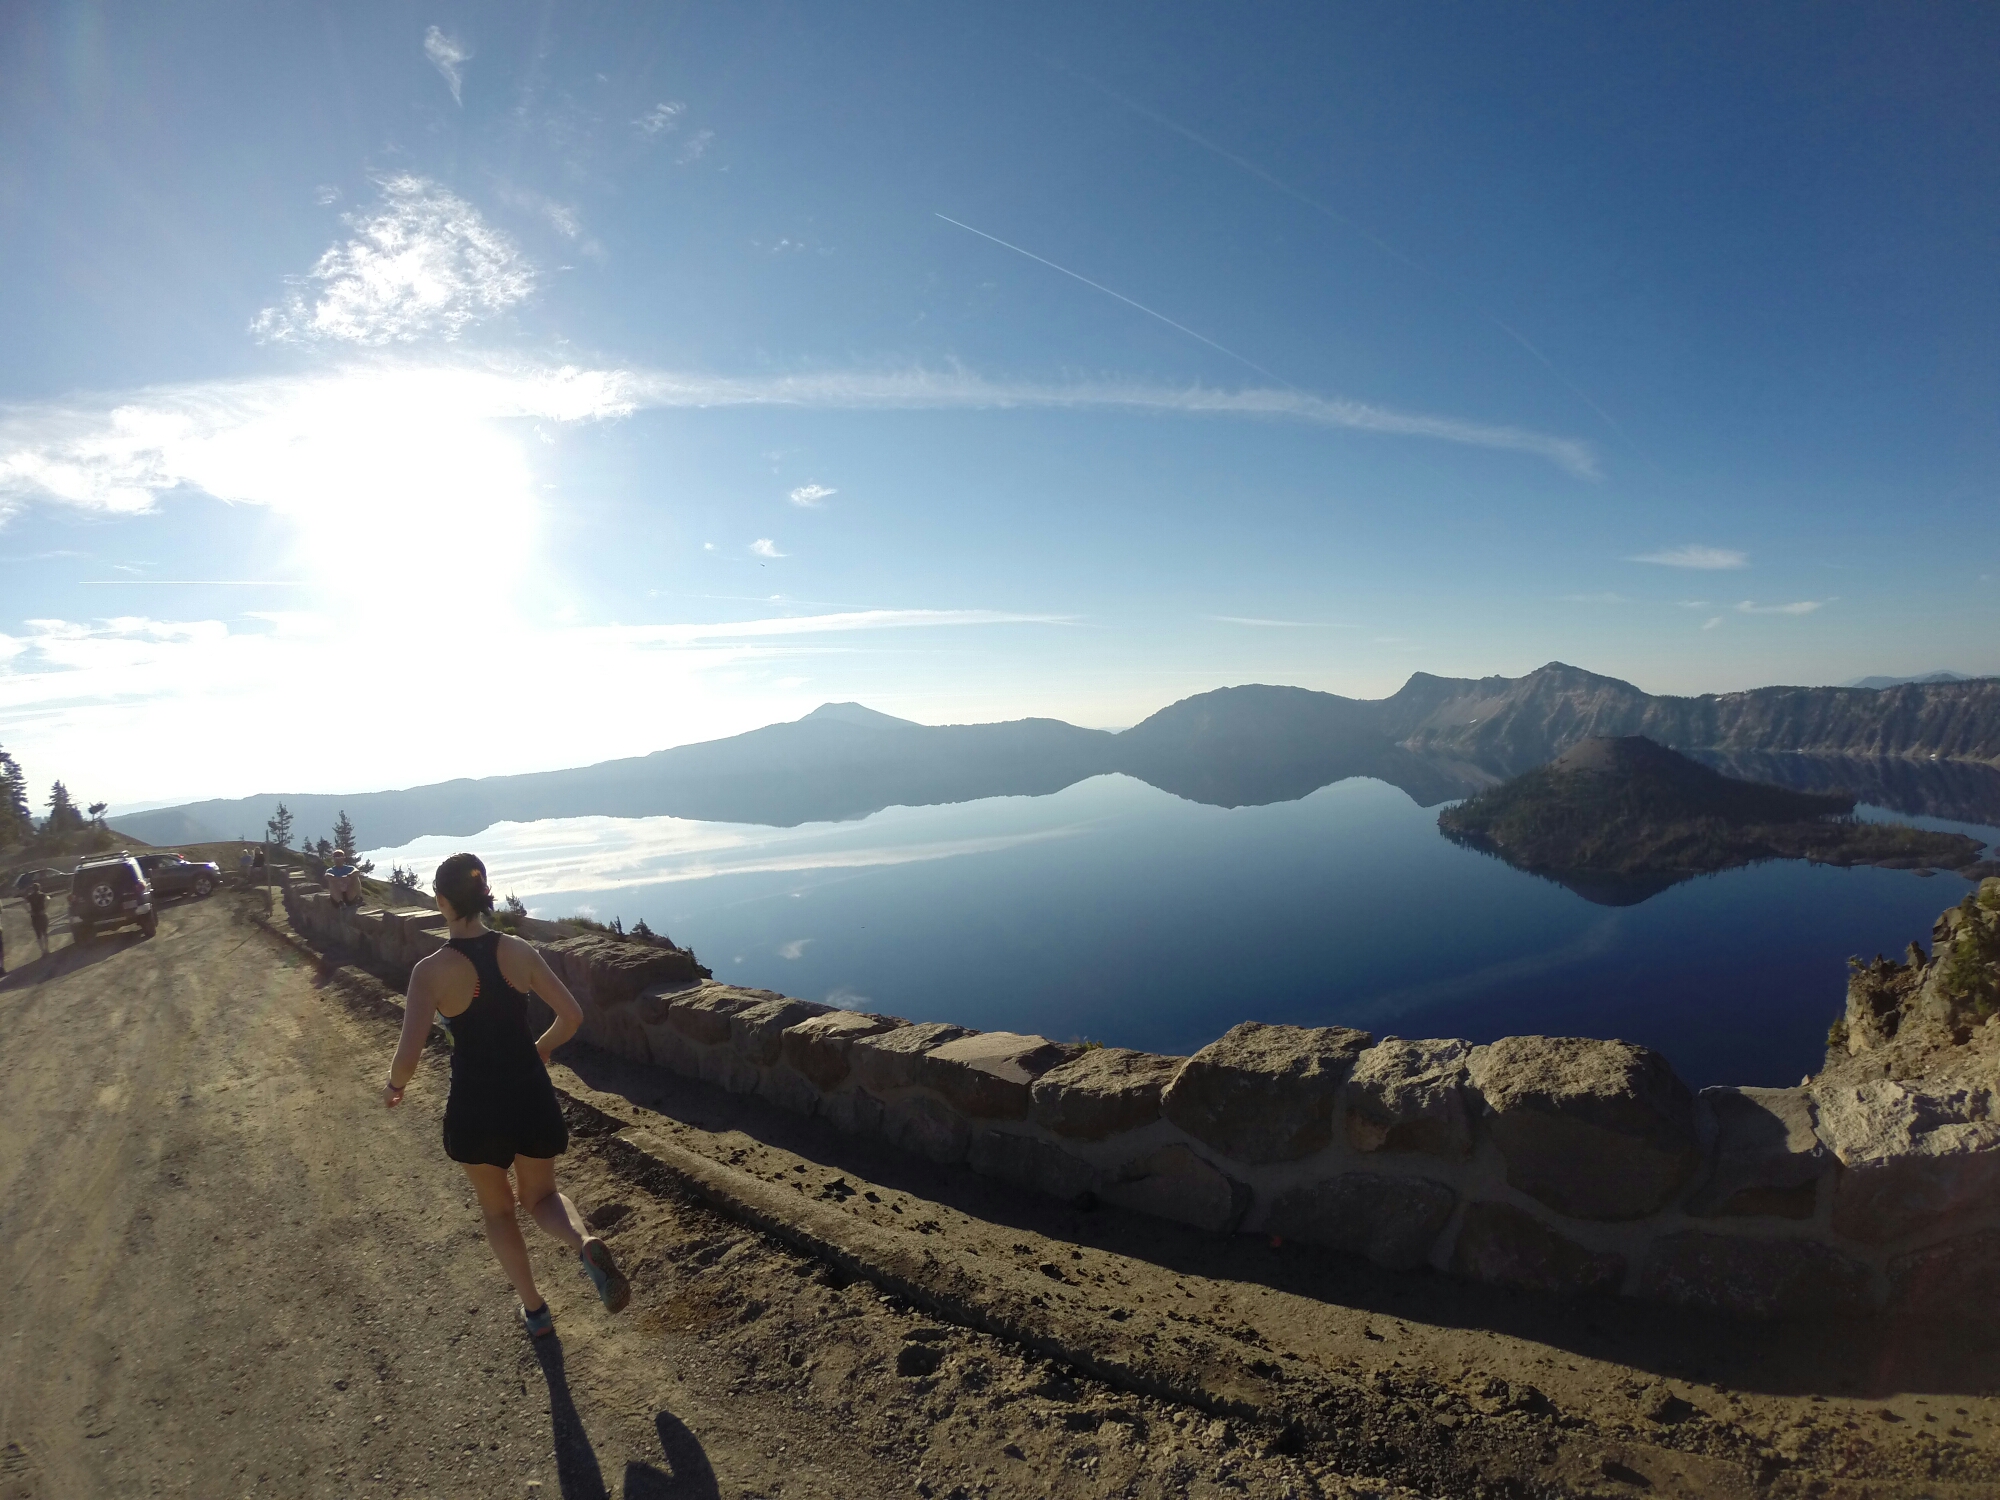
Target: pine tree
x,y
279,829
343,835
63,815
16,821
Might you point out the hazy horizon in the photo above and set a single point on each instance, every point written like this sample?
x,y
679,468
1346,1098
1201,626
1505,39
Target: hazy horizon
x,y
623,382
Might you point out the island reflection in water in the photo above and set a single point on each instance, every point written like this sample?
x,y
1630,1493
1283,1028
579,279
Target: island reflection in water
x,y
1118,912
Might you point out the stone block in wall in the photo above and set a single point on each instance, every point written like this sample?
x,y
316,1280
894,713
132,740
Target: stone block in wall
x,y
1915,1154
926,1127
1410,1096
1751,1277
890,1061
757,1031
1594,1129
1953,1279
1039,1166
1764,1156
666,1046
852,1110
727,1068
987,1075
1104,1092
1176,1183
620,972
421,942
702,1014
1505,1246
788,1089
1393,1221
817,1048
1264,1093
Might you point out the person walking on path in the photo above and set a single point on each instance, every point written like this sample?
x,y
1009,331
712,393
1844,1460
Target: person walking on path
x,y
38,915
502,1112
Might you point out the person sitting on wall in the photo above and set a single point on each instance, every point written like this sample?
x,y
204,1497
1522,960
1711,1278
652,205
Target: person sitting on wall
x,y
343,881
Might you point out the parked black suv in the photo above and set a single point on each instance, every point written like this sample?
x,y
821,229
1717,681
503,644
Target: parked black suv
x,y
110,891
174,874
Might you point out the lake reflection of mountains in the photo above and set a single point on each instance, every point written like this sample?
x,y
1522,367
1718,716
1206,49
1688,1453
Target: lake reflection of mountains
x,y
1437,739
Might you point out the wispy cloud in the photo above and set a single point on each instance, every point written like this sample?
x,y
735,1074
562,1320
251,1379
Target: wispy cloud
x,y
796,948
695,147
1606,597
422,264
811,495
561,217
765,547
662,119
305,442
1693,556
1802,607
1711,622
1264,624
917,390
447,56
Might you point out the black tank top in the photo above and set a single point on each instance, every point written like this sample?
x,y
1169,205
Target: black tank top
x,y
490,1038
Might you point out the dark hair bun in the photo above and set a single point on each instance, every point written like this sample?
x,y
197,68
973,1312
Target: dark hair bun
x,y
461,880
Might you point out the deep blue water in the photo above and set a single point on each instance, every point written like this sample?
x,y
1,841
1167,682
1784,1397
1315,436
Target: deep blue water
x,y
1120,913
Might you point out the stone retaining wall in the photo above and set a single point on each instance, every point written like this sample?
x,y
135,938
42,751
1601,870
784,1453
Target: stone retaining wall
x,y
1554,1164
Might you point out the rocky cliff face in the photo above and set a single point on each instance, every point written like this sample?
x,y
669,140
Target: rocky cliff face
x,y
1510,725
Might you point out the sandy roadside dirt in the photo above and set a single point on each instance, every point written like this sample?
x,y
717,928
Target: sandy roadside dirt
x,y
231,1272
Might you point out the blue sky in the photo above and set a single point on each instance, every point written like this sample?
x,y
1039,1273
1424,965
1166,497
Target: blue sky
x,y
607,381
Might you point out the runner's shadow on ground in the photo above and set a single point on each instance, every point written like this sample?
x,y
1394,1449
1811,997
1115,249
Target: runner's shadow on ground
x,y
687,1475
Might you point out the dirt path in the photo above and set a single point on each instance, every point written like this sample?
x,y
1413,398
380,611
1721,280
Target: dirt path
x,y
231,1272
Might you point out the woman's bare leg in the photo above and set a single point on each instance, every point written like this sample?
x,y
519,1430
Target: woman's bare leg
x,y
503,1230
535,1177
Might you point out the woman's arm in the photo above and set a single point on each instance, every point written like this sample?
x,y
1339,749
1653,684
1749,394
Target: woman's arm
x,y
419,1006
548,986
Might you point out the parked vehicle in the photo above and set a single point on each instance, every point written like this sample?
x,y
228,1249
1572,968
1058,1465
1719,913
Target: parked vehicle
x,y
173,874
110,891
50,878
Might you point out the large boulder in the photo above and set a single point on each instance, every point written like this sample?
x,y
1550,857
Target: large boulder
x,y
892,1060
1752,1277
1505,1246
1410,1096
1917,1154
1264,1093
1393,1221
1175,1183
1104,1092
1596,1130
1765,1158
987,1075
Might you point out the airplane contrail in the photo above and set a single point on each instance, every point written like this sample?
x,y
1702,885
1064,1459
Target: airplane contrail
x,y
1272,180
1100,286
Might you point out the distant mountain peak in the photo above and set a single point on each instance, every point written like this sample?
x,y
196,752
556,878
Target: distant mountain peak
x,y
855,713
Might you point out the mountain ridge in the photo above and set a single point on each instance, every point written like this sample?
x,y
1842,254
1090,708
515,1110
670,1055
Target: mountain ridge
x,y
1435,737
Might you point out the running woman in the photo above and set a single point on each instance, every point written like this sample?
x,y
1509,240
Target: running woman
x,y
502,1112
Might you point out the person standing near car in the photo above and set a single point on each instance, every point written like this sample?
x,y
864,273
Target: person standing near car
x,y
502,1112
38,915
